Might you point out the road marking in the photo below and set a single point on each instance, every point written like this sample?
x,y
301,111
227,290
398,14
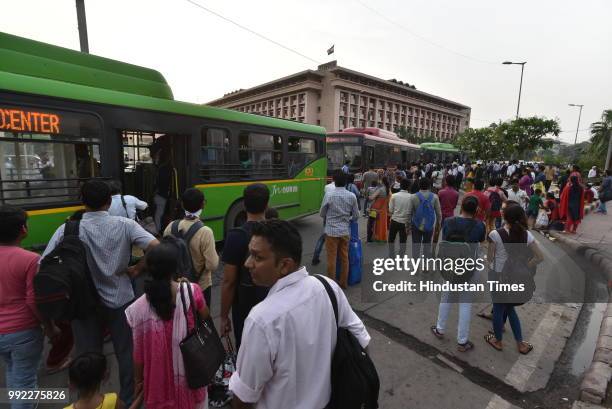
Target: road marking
x,y
449,363
498,403
525,366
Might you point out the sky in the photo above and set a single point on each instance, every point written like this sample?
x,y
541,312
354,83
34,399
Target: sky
x,y
448,48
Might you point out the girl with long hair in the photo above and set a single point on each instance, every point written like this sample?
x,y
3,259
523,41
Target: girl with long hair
x,y
572,204
158,326
513,240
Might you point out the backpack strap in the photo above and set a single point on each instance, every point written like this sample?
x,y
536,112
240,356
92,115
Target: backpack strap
x,y
192,231
124,206
71,228
331,295
174,229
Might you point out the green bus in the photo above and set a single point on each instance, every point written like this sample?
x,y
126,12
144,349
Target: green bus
x,y
67,116
435,152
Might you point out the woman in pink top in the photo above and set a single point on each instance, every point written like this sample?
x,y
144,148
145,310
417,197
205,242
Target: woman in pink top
x,y
21,336
158,326
448,198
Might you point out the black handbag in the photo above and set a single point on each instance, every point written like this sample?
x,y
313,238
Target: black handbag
x,y
202,349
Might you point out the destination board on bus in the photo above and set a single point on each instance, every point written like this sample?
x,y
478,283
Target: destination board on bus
x,y
33,120
342,139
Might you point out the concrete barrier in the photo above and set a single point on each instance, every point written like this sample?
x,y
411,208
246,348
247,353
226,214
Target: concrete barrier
x,y
595,383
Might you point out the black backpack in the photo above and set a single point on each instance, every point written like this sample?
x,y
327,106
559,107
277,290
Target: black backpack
x,y
354,380
63,286
182,239
456,246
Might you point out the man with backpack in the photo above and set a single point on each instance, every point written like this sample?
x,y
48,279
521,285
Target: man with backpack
x,y
496,198
292,340
238,292
124,205
197,240
460,238
107,241
425,216
21,335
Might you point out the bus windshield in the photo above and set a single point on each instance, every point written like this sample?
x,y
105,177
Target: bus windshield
x,y
337,154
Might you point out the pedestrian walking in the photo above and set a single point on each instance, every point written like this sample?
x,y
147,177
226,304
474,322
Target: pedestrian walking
x,y
21,334
290,337
549,173
605,192
199,239
526,181
425,216
496,198
160,320
124,205
398,209
571,206
516,194
238,293
316,255
109,240
338,209
514,245
449,198
462,229
533,209
484,204
368,178
378,228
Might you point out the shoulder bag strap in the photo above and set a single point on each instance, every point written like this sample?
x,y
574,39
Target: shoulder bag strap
x,y
71,228
184,304
174,229
124,206
331,295
192,231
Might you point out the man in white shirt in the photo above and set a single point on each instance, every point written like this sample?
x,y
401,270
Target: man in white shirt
x,y
124,205
518,195
398,209
289,338
592,172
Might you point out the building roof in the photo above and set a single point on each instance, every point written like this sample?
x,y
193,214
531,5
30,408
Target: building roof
x,y
242,93
410,91
36,59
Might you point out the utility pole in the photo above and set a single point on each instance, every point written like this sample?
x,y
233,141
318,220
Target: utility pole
x,y
579,115
82,21
522,64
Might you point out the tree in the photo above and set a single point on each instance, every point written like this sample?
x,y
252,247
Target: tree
x,y
601,132
509,139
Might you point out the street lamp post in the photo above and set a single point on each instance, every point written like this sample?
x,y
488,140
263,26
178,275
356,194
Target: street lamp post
x,y
579,115
522,64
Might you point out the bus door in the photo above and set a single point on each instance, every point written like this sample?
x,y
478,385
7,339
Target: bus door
x,y
155,164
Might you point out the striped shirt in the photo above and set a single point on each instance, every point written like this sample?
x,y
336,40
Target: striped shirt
x,y
109,240
338,209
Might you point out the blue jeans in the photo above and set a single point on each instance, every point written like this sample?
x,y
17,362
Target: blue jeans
x,y
22,352
421,237
465,311
318,247
602,207
501,313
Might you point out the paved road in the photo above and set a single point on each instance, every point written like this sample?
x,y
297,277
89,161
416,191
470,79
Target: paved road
x,y
420,371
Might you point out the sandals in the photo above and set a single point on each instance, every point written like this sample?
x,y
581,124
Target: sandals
x,y
529,348
490,339
465,347
437,334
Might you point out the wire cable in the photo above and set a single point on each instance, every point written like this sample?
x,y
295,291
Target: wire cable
x,y
252,31
420,37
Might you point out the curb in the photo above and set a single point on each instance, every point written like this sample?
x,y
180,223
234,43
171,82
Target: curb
x,y
595,383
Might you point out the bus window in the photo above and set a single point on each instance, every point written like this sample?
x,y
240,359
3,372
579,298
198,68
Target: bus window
x,y
301,151
44,168
337,154
261,154
214,154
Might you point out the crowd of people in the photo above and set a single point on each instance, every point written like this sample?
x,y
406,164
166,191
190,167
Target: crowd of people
x,y
265,288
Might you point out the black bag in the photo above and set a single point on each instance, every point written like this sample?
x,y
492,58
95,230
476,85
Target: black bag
x,y
63,287
182,241
202,349
455,247
496,201
354,380
515,271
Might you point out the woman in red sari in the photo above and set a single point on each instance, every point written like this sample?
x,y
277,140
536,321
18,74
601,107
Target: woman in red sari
x,y
572,204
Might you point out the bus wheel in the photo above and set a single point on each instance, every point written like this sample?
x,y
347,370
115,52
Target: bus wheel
x,y
236,216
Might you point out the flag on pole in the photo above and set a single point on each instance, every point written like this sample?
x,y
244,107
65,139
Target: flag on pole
x,y
330,50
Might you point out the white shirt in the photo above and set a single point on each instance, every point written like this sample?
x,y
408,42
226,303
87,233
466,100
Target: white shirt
x,y
284,360
399,205
330,187
131,204
500,251
518,196
592,173
510,170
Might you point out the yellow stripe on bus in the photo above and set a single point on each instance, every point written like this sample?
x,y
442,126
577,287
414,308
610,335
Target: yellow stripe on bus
x,y
254,181
54,210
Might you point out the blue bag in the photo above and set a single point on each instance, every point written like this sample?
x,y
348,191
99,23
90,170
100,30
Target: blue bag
x,y
425,216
